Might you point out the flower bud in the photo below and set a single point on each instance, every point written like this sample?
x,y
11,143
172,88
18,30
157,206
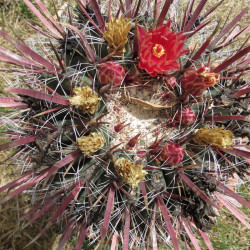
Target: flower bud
x,y
171,153
196,81
111,73
186,116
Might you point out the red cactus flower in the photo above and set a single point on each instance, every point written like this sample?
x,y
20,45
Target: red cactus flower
x,y
196,81
186,116
111,73
171,153
159,49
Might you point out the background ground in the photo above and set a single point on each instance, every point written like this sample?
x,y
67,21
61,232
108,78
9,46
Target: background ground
x,y
227,233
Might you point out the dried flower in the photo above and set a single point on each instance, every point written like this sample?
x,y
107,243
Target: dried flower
x,y
131,174
196,81
117,35
90,144
85,99
111,73
159,49
186,116
171,153
214,136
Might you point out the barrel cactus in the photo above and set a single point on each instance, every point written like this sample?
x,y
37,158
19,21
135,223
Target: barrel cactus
x,y
123,132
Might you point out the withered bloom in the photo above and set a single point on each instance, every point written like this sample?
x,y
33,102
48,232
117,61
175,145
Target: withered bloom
x,y
131,174
214,136
186,116
90,144
117,35
85,99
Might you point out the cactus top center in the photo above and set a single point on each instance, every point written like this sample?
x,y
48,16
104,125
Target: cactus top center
x,y
147,122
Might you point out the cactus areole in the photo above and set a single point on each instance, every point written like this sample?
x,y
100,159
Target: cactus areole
x,y
126,133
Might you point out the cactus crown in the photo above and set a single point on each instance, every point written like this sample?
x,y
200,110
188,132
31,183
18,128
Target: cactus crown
x,y
115,117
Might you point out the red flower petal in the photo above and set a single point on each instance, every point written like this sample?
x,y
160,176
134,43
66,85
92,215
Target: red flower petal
x,y
159,49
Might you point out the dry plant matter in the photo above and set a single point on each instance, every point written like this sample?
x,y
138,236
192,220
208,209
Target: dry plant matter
x,y
13,17
12,236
